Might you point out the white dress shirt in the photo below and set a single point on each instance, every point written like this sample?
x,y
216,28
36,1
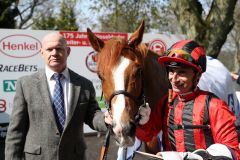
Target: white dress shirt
x,y
65,81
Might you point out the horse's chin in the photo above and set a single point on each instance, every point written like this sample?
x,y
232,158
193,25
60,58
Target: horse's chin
x,y
125,141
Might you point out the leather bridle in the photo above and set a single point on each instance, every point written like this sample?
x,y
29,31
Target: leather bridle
x,y
140,101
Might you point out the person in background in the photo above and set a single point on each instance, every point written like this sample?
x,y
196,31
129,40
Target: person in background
x,y
218,80
50,108
193,120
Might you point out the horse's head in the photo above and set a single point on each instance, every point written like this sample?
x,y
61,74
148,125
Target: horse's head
x,y
120,66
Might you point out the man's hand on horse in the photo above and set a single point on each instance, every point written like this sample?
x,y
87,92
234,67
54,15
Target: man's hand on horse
x,y
108,119
145,114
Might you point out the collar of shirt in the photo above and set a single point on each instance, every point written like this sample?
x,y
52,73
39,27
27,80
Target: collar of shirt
x,y
188,96
49,73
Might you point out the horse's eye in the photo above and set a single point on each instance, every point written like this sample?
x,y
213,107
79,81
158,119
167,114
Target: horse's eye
x,y
138,73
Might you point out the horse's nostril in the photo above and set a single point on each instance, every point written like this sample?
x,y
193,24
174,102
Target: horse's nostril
x,y
132,129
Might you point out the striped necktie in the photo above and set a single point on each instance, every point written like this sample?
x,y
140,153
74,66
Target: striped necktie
x,y
58,102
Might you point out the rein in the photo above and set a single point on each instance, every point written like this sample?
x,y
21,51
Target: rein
x,y
105,147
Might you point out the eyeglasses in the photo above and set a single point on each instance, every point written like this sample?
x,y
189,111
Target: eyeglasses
x,y
181,54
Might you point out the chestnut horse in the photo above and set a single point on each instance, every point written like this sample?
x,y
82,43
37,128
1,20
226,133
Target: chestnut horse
x,y
131,76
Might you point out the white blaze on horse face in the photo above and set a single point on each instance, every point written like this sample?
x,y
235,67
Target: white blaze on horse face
x,y
118,76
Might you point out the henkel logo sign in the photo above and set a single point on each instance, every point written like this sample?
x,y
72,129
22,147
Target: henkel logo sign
x,y
20,46
158,46
91,61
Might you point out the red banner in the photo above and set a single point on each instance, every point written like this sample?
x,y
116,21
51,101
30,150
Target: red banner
x,y
80,38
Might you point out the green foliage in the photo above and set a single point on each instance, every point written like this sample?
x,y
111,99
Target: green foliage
x,y
8,11
65,20
45,22
125,15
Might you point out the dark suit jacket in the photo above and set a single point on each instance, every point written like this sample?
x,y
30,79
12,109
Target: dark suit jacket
x,y
33,132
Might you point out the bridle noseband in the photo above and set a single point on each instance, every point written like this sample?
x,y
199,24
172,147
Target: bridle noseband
x,y
140,101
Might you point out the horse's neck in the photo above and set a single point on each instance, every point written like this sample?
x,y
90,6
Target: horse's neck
x,y
155,79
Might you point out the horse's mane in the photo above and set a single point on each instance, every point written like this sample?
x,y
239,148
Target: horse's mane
x,y
153,69
143,49
110,54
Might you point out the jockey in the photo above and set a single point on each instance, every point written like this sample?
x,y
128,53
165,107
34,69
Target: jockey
x,y
193,120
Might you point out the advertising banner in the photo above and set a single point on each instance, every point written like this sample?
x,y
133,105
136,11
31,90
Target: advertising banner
x,y
20,55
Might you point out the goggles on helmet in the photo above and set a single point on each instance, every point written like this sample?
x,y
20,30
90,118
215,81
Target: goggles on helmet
x,y
181,54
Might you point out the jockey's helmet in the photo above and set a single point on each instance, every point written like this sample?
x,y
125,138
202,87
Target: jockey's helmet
x,y
187,53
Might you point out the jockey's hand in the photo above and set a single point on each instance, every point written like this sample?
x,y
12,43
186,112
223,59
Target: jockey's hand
x,y
190,156
144,113
108,118
215,152
170,155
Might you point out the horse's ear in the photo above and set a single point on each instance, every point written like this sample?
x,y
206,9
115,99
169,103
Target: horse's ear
x,y
136,37
96,43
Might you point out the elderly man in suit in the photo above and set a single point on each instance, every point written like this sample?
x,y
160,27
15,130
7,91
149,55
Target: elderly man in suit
x,y
50,108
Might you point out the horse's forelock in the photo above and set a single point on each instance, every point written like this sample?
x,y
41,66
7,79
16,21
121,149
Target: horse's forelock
x,y
109,56
143,49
